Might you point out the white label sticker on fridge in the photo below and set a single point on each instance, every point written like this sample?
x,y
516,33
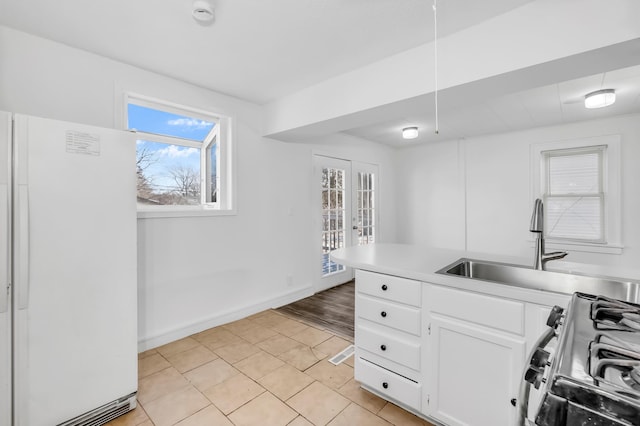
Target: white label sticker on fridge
x,y
83,143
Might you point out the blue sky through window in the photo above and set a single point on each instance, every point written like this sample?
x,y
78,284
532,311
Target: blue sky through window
x,y
161,161
165,123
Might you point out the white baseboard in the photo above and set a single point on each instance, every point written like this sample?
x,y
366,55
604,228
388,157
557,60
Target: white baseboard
x,y
234,314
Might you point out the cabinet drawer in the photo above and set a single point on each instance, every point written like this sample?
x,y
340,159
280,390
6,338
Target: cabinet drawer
x,y
389,287
494,312
391,314
395,348
388,383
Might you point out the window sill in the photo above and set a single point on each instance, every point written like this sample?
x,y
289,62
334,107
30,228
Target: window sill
x,y
583,247
182,211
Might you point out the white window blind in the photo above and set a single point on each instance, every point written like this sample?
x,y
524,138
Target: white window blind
x,y
574,194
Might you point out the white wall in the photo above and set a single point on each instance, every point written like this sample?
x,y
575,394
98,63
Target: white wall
x,y
431,203
491,209
196,272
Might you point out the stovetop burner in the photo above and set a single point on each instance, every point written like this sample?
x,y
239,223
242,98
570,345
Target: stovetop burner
x,y
615,367
614,353
632,378
615,314
596,370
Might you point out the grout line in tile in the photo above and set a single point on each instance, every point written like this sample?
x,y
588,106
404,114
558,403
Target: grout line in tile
x,y
278,334
285,401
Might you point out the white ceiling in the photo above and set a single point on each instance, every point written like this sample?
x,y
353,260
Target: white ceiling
x,y
553,104
258,50
262,50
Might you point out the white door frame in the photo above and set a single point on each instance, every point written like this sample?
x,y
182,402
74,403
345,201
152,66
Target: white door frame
x,y
360,167
344,274
350,221
5,269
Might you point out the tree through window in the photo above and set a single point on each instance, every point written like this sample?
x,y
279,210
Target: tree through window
x,y
178,154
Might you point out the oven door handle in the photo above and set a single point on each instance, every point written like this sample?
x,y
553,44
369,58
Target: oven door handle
x,y
525,386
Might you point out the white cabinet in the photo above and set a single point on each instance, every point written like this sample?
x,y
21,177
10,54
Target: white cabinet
x,y
389,287
388,337
392,346
451,355
473,373
476,349
389,314
388,383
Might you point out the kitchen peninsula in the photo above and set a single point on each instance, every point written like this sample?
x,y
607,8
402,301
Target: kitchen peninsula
x,y
448,348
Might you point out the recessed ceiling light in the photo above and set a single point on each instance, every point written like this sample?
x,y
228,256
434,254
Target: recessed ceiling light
x,y
600,98
202,12
410,132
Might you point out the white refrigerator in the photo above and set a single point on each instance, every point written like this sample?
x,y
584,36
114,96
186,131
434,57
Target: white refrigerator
x,y
68,348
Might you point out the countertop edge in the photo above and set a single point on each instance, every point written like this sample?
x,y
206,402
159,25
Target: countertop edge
x,y
421,263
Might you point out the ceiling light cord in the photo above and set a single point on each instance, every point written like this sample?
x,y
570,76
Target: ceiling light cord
x,y
435,61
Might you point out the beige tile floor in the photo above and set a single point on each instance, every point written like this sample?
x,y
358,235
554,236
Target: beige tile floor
x,y
263,370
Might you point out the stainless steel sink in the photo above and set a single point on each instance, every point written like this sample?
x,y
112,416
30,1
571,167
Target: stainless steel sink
x,y
525,277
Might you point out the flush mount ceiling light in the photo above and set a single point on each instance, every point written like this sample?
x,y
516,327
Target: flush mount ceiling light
x,y
600,98
410,132
202,12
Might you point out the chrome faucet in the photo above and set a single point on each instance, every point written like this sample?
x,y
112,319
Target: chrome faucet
x,y
537,226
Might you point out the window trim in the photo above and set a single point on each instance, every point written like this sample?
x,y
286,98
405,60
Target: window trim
x,y
611,188
223,135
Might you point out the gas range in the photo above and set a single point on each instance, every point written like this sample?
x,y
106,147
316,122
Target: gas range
x,y
594,377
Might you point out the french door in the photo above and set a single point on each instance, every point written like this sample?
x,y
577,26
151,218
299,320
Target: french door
x,y
345,213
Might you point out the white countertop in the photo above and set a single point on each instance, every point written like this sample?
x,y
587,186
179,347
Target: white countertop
x,y
421,263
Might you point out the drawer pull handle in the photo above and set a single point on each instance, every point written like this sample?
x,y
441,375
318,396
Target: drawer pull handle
x,y
383,314
385,385
384,287
383,347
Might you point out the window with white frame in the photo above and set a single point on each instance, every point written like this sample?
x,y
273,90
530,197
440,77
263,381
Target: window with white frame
x,y
183,156
573,194
578,182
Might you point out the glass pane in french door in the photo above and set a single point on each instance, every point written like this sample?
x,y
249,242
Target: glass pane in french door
x,y
366,208
333,216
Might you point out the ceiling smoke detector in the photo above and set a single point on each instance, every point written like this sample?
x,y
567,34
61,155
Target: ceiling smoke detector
x,y
202,12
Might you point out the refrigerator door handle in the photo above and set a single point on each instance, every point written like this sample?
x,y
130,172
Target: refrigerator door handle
x,y
4,250
22,248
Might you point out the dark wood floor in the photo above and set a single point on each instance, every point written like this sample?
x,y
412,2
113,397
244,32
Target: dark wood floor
x,y
331,309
